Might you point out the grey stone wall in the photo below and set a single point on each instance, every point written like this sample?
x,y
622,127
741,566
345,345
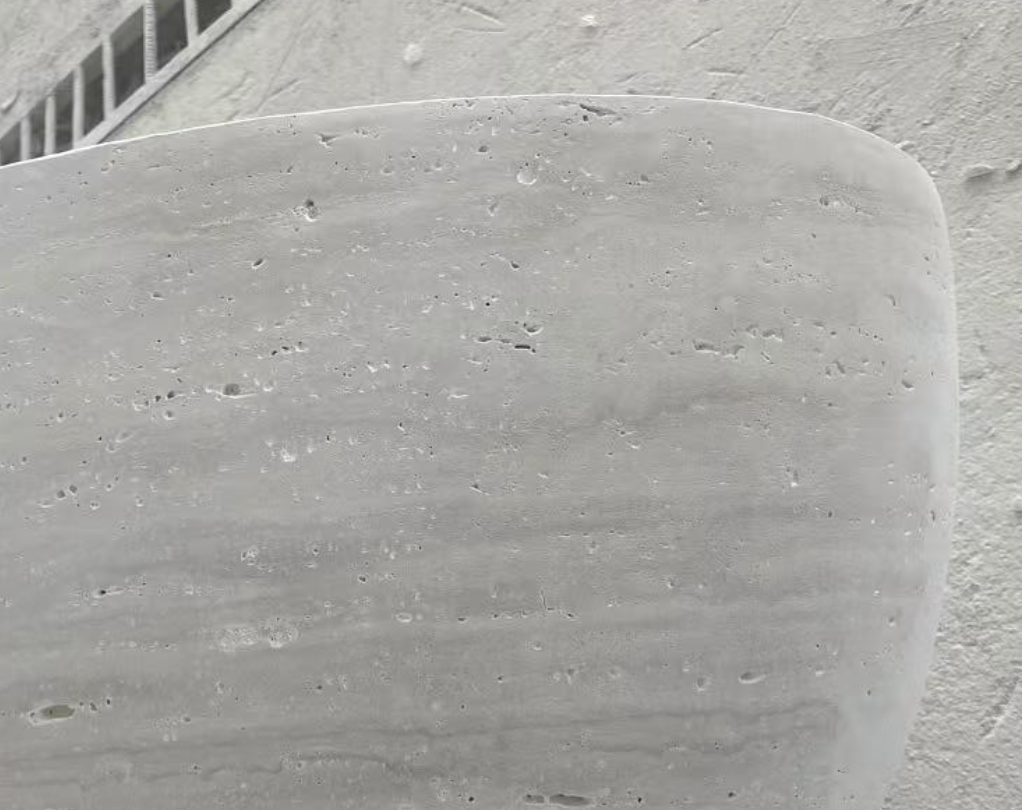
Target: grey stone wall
x,y
938,77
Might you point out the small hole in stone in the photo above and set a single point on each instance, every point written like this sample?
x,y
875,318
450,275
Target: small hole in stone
x,y
59,711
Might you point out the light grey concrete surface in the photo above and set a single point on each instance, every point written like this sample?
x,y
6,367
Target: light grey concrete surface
x,y
937,76
566,450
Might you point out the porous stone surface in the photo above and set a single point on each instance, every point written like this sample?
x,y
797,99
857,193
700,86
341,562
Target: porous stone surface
x,y
937,77
500,452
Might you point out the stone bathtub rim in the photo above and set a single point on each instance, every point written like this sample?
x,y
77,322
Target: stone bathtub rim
x,y
760,109
825,123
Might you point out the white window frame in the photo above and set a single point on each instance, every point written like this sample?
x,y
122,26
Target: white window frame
x,y
116,115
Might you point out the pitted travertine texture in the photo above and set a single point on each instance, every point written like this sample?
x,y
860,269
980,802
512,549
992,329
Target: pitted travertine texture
x,y
578,450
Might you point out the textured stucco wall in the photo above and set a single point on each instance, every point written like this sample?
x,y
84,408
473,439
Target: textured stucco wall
x,y
937,76
41,41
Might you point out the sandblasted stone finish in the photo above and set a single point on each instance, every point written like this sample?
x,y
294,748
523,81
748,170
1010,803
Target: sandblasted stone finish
x,y
564,451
